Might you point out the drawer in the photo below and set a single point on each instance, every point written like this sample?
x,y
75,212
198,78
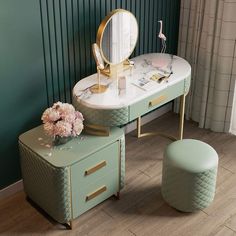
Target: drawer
x,y
152,102
86,197
96,165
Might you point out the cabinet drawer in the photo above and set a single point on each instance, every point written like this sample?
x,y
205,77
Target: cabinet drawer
x,y
86,197
146,105
96,165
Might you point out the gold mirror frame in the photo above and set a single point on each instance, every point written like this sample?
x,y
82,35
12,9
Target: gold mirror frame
x,y
113,68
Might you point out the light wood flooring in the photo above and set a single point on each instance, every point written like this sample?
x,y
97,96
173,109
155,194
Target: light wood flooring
x,y
141,209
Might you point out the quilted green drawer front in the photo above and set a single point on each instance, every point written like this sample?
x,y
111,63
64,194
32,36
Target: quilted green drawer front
x,y
146,105
88,196
96,165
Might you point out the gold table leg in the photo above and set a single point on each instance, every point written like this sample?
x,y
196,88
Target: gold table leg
x,y
139,127
181,119
140,134
96,130
181,124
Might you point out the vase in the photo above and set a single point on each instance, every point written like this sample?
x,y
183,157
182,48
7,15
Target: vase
x,y
58,140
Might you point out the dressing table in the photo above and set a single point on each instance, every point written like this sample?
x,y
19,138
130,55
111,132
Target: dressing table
x,y
117,107
151,80
67,181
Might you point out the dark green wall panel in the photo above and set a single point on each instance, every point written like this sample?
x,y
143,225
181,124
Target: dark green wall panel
x,y
22,83
45,48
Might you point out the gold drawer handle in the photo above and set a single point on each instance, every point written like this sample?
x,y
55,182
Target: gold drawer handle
x,y
96,193
156,101
95,168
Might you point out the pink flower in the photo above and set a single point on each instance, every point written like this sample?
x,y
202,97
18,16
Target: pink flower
x,y
61,119
69,117
50,115
66,109
45,116
62,128
56,105
49,128
79,115
77,127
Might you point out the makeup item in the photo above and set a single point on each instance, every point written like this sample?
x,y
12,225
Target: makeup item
x,y
122,82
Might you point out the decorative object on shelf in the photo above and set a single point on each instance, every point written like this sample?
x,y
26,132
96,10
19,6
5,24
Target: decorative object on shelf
x,y
162,37
122,82
160,63
116,39
62,122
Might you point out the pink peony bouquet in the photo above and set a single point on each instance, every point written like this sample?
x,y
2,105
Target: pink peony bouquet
x,y
62,120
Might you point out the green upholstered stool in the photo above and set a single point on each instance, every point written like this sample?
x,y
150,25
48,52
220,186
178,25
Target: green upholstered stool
x,y
189,175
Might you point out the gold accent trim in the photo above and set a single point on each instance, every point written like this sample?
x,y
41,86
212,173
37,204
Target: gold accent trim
x,y
140,135
71,204
181,114
95,168
119,163
97,130
96,193
98,88
181,122
110,68
102,27
157,100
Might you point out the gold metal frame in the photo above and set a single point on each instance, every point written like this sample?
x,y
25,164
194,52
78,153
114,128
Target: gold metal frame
x,y
97,130
108,70
98,88
181,124
119,174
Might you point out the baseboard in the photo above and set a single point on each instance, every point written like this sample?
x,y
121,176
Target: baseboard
x,y
18,186
149,117
11,189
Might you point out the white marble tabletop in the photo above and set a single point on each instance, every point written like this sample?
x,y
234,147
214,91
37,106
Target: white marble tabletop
x,y
144,66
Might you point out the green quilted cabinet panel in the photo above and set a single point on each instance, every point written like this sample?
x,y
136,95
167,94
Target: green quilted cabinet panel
x,y
76,176
47,186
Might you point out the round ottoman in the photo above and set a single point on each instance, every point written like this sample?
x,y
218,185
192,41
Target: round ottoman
x,y
189,175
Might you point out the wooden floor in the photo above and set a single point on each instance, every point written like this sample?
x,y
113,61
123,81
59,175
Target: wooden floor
x,y
141,210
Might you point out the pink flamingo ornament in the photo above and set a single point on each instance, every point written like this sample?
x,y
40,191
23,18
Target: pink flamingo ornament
x,y
159,63
162,37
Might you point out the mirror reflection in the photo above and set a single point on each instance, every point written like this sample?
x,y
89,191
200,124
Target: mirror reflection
x,y
119,37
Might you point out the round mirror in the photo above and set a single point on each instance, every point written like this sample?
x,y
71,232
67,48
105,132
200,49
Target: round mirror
x,y
117,36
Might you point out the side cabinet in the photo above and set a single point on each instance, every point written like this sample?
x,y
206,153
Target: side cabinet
x,y
68,180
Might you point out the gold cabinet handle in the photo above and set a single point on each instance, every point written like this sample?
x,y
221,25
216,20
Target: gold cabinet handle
x,y
96,193
95,168
157,100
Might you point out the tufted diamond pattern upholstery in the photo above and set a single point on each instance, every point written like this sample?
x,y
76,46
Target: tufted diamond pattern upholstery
x,y
113,117
48,186
185,189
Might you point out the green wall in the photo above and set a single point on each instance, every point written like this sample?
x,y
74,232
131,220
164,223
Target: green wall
x,y
45,48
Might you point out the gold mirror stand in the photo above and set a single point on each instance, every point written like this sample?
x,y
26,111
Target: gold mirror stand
x,y
98,88
113,70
